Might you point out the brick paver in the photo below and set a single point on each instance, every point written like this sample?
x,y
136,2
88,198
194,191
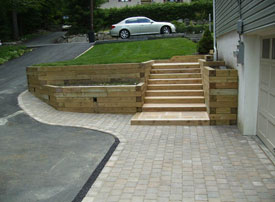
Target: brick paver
x,y
170,163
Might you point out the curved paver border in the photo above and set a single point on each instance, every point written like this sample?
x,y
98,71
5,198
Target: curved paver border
x,y
26,108
117,145
87,186
170,163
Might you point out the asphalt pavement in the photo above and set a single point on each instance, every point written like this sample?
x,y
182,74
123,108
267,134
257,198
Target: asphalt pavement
x,y
40,162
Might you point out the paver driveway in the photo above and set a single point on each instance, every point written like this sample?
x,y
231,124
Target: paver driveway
x,y
171,163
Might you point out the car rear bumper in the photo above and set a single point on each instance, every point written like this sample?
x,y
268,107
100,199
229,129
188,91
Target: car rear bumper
x,y
114,33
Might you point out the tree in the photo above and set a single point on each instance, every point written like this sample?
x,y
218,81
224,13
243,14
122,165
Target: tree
x,y
40,11
19,6
79,12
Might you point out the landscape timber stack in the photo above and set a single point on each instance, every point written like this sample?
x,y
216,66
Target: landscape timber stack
x,y
91,88
185,90
221,92
174,94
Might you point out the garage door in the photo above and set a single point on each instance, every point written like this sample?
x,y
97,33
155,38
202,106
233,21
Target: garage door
x,y
266,109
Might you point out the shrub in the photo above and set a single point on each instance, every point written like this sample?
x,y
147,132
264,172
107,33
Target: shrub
x,y
104,18
182,28
206,42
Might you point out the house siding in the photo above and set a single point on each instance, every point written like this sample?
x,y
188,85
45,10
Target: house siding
x,y
120,4
255,14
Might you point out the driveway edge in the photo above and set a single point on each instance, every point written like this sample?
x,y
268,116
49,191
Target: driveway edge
x,y
106,162
87,186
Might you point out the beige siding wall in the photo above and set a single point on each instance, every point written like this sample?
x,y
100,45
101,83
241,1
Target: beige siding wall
x,y
117,4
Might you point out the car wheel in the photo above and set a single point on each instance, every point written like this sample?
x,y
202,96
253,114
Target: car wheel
x,y
124,34
165,30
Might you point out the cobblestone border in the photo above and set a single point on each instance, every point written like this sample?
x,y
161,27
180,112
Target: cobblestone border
x,y
170,163
24,106
106,162
87,186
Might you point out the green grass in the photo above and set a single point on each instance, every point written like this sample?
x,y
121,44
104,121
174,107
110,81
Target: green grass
x,y
10,52
132,52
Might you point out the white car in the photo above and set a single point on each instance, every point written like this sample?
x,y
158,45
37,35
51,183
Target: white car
x,y
140,25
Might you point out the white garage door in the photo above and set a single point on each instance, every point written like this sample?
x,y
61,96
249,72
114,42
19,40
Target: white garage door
x,y
266,109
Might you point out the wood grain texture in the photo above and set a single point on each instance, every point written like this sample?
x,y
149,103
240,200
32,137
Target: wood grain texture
x,y
221,92
68,88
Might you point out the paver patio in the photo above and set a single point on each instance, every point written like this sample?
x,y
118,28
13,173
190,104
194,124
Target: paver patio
x,y
170,163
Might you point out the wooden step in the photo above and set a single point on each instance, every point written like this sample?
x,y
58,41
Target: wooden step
x,y
185,70
173,107
174,99
175,65
175,81
174,93
179,75
174,86
171,118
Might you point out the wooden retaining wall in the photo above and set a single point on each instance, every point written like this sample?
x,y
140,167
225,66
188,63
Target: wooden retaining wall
x,y
94,99
187,58
57,87
184,58
87,74
221,93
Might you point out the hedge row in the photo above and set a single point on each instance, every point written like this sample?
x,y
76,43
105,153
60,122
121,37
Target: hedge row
x,y
191,28
104,18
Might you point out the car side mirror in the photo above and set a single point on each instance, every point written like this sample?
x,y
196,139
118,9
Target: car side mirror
x,y
152,22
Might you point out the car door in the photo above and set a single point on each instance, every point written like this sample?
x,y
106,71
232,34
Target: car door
x,y
145,26
133,26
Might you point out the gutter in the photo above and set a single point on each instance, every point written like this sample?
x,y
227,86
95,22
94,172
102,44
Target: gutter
x,y
214,30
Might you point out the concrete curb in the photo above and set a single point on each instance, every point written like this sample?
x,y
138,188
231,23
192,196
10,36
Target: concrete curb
x,y
57,44
141,38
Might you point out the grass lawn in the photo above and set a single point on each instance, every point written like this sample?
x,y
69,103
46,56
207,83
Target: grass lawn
x,y
131,52
10,52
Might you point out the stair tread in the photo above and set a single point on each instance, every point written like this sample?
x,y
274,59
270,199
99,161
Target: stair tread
x,y
172,105
176,63
176,74
170,116
189,69
169,84
176,91
172,79
174,97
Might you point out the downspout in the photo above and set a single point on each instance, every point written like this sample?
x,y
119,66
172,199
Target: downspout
x,y
240,46
214,30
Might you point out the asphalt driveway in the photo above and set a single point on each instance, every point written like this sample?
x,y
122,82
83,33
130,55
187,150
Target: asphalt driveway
x,y
41,162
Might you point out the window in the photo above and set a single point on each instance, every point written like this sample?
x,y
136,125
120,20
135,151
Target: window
x,y
131,21
143,20
266,49
273,48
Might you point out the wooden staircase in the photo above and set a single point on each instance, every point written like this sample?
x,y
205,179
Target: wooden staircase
x,y
174,96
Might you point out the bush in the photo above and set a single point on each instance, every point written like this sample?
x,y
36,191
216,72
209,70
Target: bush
x,y
104,18
206,42
9,52
190,29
